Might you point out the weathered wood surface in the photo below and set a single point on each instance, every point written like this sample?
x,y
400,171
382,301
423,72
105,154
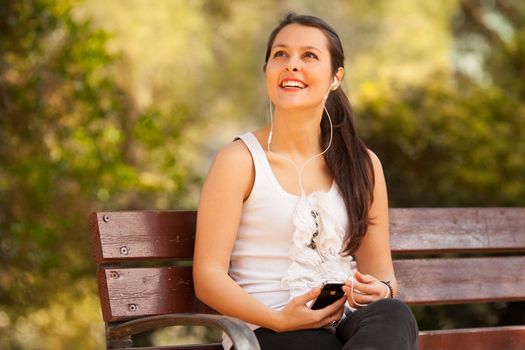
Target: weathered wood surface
x,y
488,338
461,280
130,293
147,235
119,236
136,292
457,230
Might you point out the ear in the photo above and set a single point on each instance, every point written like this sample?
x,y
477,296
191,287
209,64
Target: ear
x,y
339,75
338,78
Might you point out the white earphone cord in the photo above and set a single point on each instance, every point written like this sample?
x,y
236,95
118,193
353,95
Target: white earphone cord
x,y
300,170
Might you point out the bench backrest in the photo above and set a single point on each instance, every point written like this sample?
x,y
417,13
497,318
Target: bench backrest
x,y
144,258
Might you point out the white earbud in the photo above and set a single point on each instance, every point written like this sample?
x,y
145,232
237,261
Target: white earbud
x,y
334,85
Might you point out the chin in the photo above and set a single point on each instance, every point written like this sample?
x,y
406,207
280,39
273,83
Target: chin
x,y
296,105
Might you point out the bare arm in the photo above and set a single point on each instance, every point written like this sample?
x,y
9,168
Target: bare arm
x,y
374,259
228,184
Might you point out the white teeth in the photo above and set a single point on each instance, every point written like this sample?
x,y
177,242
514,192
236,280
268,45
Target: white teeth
x,y
292,83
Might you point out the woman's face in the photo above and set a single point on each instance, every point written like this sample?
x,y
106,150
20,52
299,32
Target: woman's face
x,y
298,71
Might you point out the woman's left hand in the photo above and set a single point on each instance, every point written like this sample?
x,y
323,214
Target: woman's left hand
x,y
366,289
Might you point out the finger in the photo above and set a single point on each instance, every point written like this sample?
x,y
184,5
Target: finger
x,y
356,300
333,308
311,295
365,299
331,321
352,300
334,312
377,288
352,304
357,305
366,290
361,277
359,288
336,305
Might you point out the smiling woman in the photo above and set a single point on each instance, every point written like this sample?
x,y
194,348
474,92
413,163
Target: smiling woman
x,y
298,70
306,198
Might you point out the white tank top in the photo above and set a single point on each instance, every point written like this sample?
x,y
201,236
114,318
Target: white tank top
x,y
271,259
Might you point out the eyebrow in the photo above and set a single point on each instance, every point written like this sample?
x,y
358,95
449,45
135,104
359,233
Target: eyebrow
x,y
304,47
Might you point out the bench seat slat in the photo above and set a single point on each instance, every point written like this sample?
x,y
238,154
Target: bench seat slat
x,y
435,281
461,280
435,230
137,292
488,338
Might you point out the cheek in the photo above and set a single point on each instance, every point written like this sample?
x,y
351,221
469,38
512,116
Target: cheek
x,y
323,80
271,73
271,77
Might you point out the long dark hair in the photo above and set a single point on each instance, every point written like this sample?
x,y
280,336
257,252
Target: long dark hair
x,y
348,157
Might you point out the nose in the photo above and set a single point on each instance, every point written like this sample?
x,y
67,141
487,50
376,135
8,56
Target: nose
x,y
293,65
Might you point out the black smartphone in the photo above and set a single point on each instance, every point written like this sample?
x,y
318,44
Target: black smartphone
x,y
330,293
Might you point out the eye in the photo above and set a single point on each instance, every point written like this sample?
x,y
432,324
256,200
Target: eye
x,y
310,55
279,54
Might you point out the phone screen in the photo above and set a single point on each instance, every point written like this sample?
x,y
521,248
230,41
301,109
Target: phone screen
x,y
330,293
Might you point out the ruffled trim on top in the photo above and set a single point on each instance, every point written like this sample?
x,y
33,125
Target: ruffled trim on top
x,y
310,268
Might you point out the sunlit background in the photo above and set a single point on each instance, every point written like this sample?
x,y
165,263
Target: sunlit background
x,y
121,104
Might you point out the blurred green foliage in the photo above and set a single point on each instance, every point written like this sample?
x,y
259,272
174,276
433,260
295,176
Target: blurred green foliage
x,y
446,144
120,105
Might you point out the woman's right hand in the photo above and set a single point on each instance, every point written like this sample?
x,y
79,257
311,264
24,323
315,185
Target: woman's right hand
x,y
297,315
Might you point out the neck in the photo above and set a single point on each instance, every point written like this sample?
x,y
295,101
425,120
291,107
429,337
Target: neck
x,y
297,132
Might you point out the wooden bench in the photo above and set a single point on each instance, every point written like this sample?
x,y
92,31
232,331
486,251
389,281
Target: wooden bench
x,y
145,281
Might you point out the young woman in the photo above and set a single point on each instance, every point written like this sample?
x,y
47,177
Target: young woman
x,y
288,207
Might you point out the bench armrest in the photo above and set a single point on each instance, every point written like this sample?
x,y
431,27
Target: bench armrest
x,y
240,334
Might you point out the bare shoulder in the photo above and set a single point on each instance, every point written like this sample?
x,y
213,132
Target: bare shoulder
x,y
234,154
232,168
376,162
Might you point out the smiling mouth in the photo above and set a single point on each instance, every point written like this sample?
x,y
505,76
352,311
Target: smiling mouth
x,y
293,84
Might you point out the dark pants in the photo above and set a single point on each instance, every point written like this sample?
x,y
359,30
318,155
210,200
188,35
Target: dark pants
x,y
383,325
